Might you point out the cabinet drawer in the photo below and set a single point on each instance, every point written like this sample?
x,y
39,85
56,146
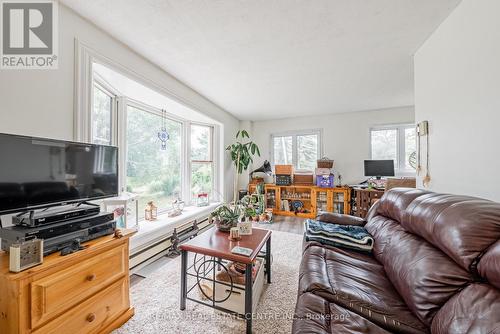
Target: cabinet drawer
x,y
93,315
53,294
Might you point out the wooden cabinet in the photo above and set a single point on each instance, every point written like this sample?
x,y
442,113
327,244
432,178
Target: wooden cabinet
x,y
363,200
314,199
335,200
85,292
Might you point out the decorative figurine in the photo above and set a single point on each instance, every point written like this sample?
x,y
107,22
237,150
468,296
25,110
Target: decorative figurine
x,y
151,211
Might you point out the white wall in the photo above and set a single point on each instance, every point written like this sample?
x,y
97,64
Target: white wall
x,y
457,89
40,102
346,136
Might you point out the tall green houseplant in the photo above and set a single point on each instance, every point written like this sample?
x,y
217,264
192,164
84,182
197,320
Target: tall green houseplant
x,y
242,153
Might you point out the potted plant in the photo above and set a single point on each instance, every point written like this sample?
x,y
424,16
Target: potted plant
x,y
242,155
226,216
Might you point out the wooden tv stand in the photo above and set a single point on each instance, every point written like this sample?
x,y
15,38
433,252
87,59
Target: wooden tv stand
x,y
84,292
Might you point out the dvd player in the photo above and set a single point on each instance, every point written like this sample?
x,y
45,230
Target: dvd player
x,y
59,235
55,215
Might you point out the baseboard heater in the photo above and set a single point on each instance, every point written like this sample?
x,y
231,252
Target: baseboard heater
x,y
179,237
169,245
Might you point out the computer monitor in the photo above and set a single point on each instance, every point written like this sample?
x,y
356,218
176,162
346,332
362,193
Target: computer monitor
x,y
379,168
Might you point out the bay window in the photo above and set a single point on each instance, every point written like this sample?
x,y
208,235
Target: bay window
x,y
128,114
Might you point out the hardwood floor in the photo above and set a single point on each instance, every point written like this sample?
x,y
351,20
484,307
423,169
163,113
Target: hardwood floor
x,y
285,224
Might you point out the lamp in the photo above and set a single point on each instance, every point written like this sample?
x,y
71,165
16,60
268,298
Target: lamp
x,y
265,168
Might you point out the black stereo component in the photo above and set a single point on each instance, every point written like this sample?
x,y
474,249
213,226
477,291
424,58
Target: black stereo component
x,y
283,180
60,235
55,215
56,244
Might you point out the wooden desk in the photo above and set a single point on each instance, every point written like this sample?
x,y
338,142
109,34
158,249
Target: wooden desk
x,y
84,292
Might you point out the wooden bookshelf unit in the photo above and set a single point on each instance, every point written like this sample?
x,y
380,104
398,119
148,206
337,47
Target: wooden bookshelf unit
x,y
314,199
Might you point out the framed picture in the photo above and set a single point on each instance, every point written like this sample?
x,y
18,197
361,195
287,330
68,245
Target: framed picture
x,y
245,227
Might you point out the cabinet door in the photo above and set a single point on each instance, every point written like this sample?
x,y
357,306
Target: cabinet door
x,y
338,201
271,198
322,200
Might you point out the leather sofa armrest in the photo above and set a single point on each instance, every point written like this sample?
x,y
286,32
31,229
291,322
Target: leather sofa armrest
x,y
340,219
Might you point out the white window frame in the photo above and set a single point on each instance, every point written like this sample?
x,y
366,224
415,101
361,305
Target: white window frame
x,y
113,94
400,149
85,57
294,135
212,161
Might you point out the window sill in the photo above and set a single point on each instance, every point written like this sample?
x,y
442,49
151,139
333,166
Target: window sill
x,y
151,232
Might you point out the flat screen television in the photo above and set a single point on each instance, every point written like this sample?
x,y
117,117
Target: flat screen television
x,y
38,172
379,168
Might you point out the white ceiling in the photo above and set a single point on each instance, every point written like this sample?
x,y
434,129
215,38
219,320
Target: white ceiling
x,y
267,59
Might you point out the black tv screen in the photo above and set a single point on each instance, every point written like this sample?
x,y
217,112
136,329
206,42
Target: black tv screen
x,y
379,168
37,172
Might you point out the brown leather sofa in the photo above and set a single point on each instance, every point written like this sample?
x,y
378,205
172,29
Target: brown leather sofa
x,y
435,268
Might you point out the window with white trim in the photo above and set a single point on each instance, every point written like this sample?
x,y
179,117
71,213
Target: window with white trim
x,y
202,162
300,149
103,109
153,173
394,142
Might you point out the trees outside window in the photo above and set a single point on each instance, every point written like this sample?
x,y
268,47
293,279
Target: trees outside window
x,y
202,168
300,149
152,173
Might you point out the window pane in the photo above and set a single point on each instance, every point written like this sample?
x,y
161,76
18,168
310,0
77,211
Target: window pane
x,y
101,117
152,173
283,150
307,150
410,146
201,178
385,145
200,143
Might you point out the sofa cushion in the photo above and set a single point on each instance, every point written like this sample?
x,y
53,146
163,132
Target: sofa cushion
x,y
336,218
393,203
423,275
314,314
476,309
357,282
462,227
489,265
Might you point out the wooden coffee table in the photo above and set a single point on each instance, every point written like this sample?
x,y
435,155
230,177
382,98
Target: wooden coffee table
x,y
217,247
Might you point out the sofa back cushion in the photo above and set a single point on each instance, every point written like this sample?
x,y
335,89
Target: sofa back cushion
x,y
394,203
462,227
